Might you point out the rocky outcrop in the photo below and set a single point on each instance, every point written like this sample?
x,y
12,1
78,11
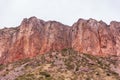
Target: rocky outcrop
x,y
91,36
35,36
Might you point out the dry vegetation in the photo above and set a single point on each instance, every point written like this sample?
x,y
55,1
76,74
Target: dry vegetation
x,y
62,65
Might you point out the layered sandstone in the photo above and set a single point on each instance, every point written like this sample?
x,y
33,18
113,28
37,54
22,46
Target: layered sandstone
x,y
35,36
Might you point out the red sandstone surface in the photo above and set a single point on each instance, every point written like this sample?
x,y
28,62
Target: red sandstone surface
x,y
35,36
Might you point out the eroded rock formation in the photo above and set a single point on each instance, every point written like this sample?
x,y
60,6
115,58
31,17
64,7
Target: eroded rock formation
x,y
35,36
91,36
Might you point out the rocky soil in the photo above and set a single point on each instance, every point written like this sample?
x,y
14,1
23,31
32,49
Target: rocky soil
x,y
66,64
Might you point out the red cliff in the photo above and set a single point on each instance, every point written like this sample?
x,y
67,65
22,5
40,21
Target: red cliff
x,y
35,36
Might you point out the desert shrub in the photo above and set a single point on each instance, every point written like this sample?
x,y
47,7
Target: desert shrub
x,y
1,67
46,74
26,77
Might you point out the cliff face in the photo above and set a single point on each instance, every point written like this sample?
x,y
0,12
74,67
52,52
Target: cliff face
x,y
36,36
91,36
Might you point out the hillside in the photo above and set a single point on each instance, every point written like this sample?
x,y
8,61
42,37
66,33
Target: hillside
x,y
66,64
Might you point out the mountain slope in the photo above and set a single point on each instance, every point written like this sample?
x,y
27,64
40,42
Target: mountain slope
x,y
66,64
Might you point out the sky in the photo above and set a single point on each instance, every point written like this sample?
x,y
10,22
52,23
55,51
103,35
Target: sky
x,y
67,12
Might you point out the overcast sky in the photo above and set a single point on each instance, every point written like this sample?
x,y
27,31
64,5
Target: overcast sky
x,y
66,11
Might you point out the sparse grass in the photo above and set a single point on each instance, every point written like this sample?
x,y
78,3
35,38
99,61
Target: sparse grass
x,y
21,62
67,64
26,77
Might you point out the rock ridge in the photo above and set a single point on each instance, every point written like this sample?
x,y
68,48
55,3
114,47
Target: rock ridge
x,y
34,36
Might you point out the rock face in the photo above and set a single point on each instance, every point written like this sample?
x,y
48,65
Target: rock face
x,y
35,36
91,36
